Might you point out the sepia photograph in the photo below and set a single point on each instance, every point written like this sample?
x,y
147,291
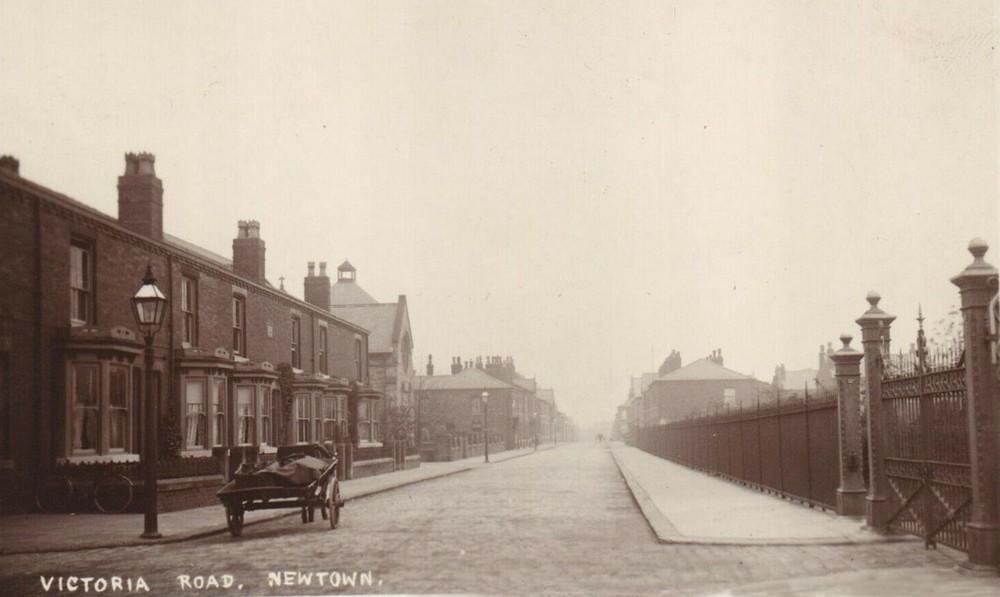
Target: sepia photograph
x,y
499,297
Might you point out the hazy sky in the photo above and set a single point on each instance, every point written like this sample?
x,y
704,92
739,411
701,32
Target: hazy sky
x,y
582,185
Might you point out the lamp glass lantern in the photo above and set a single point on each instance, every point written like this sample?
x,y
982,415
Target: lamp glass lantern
x,y
149,305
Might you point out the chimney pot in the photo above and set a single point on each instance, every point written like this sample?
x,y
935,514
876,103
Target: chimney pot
x,y
140,196
317,288
9,163
249,251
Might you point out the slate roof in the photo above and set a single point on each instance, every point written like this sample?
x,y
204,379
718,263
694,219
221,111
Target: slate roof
x,y
198,250
347,292
702,370
379,319
467,379
169,240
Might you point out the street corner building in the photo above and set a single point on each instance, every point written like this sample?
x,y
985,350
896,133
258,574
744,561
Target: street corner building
x,y
482,402
240,366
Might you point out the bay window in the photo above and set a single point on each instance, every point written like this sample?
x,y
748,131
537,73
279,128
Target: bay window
x,y
194,414
267,402
317,418
303,418
246,411
368,421
342,417
100,400
86,407
118,407
329,418
219,412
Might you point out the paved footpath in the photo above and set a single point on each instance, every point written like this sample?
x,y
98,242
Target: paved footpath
x,y
36,533
557,522
685,506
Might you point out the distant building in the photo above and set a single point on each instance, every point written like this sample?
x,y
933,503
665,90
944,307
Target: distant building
x,y
390,353
452,416
520,412
698,388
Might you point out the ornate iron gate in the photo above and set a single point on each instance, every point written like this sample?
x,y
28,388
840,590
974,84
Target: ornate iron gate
x,y
927,442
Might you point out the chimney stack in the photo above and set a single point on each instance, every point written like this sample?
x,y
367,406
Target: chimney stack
x,y
140,196
248,251
9,164
430,364
317,288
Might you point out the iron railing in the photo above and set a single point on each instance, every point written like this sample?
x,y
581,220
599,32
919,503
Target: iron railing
x,y
788,446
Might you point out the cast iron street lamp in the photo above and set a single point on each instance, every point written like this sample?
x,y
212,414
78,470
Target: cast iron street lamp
x,y
486,423
149,305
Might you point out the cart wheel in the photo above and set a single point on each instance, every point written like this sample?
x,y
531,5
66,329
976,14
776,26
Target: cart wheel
x,y
234,519
333,503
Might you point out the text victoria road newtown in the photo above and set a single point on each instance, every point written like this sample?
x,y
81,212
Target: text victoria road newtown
x,y
197,583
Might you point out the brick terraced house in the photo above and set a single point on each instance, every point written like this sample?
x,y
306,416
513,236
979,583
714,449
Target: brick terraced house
x,y
699,388
240,366
450,415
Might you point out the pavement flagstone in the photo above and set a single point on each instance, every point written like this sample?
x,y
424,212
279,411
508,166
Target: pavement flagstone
x,y
687,506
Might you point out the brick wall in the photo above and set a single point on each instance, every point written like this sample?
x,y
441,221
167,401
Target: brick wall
x,y
462,409
675,400
36,230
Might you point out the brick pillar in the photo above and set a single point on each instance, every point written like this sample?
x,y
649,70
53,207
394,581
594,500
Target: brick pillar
x,y
875,324
847,366
978,286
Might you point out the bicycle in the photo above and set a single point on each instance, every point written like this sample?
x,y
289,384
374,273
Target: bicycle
x,y
110,493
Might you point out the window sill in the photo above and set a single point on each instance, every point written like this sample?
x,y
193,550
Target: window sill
x,y
87,458
268,449
368,444
196,453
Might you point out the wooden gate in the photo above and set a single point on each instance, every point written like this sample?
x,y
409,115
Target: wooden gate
x,y
926,445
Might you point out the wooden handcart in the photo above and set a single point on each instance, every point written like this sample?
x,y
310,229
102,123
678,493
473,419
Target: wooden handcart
x,y
323,494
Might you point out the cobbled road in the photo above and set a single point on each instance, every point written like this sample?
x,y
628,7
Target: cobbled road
x,y
559,521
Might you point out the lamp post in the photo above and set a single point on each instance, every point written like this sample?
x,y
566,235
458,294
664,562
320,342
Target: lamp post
x,y
149,307
485,396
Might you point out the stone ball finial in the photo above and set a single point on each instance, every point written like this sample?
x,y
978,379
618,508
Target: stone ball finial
x,y
978,248
873,298
846,339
